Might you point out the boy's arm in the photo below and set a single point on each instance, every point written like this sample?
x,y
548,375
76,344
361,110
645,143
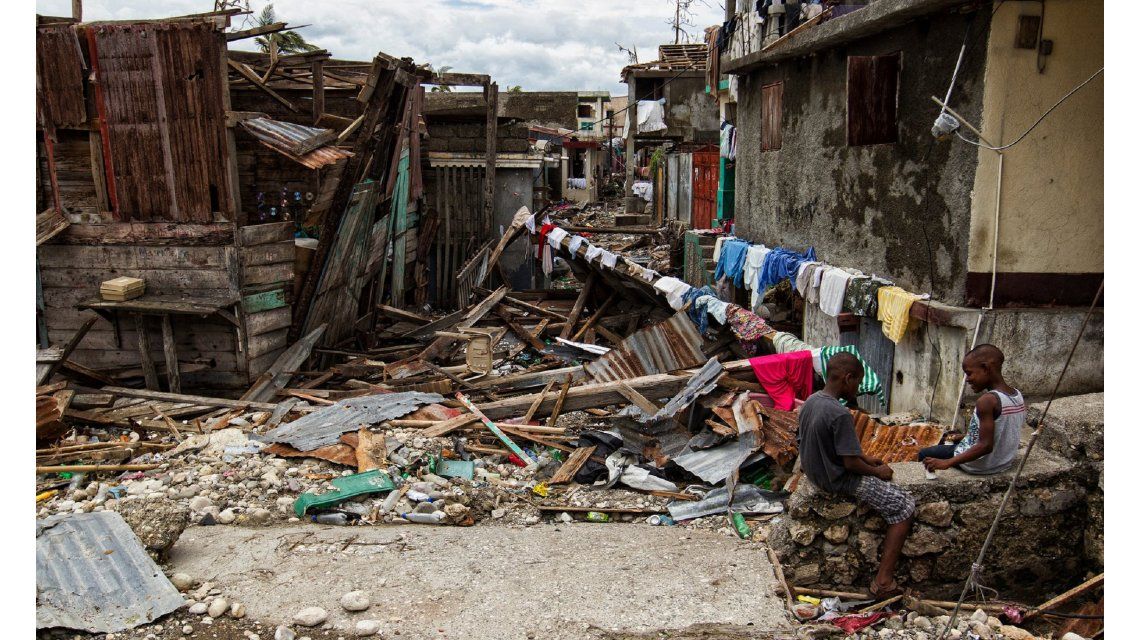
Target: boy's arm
x,y
854,461
987,406
858,466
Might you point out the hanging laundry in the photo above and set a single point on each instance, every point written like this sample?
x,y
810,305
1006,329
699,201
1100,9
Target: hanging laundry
x,y
753,262
545,254
803,277
748,328
871,384
894,311
731,264
609,259
651,116
718,309
787,343
592,252
698,307
862,295
782,264
716,248
832,289
785,377
555,237
673,289
815,281
575,242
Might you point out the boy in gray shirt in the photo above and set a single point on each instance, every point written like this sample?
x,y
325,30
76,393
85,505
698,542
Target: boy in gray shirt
x,y
832,459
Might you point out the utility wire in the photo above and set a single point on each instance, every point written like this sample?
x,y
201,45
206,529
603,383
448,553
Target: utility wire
x,y
1039,120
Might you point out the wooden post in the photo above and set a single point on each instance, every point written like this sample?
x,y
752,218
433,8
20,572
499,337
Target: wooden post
x,y
170,350
576,311
318,90
149,374
77,10
630,133
491,94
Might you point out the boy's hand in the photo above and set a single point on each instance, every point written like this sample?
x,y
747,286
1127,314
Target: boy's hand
x,y
885,473
873,461
936,464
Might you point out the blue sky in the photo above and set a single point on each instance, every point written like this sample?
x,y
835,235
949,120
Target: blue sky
x,y
540,44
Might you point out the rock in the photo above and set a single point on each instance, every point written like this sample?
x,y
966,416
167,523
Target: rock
x,y
260,516
367,627
284,633
237,610
982,630
836,533
979,616
802,533
923,540
198,608
834,510
868,545
1015,633
310,616
226,516
1072,636
922,622
187,630
199,503
218,608
181,581
158,523
566,517
894,623
498,513
355,601
938,514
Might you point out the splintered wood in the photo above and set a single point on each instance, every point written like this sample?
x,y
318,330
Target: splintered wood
x,y
570,468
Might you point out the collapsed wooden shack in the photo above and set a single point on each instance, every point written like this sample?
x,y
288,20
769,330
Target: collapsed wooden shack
x,y
164,156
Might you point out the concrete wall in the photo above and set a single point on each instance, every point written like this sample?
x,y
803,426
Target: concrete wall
x,y
460,136
690,114
1052,201
873,206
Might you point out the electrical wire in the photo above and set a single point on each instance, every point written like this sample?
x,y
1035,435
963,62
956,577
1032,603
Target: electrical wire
x,y
1039,120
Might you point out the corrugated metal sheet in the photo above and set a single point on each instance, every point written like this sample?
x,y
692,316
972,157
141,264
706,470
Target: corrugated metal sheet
x,y
323,157
777,436
93,574
160,91
324,426
747,499
293,139
894,443
664,347
715,464
59,77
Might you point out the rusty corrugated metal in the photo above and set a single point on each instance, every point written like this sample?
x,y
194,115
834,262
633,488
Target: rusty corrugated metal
x,y
664,347
293,139
894,443
93,574
323,157
59,77
777,436
161,88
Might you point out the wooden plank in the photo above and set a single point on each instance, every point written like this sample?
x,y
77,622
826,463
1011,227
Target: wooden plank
x,y
205,401
494,428
249,75
277,374
163,280
130,257
268,342
460,79
636,398
68,347
491,95
537,402
522,333
1075,592
267,321
590,395
572,465
318,90
553,419
270,253
145,358
268,233
268,274
264,301
171,351
579,304
146,234
447,426
256,31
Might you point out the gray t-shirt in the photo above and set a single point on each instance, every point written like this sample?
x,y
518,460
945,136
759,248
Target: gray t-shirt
x,y
827,432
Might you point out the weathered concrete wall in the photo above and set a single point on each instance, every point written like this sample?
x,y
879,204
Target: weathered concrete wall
x,y
459,136
691,115
1052,203
870,207
828,540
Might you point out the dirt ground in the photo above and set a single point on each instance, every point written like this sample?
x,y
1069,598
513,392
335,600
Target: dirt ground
x,y
577,580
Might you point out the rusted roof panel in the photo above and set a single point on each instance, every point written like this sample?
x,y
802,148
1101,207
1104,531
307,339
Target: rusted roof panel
x,y
324,426
160,91
894,443
93,574
293,139
59,77
664,347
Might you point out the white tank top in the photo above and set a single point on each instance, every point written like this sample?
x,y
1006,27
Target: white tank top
x,y
1007,436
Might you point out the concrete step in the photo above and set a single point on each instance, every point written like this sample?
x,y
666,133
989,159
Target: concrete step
x,y
632,220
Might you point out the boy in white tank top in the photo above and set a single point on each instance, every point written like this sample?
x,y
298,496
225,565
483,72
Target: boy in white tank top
x,y
992,439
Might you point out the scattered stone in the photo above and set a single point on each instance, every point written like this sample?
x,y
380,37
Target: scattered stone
x,y
834,510
198,608
181,581
227,516
218,608
817,631
1015,633
802,533
260,516
158,523
187,630
923,623
284,633
355,601
367,627
310,616
200,503
1072,636
237,610
979,616
923,540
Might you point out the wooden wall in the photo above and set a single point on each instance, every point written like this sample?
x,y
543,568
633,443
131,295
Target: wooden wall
x,y
267,259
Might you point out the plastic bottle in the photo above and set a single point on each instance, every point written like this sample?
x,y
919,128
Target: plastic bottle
x,y
331,518
418,496
597,516
434,517
742,528
390,501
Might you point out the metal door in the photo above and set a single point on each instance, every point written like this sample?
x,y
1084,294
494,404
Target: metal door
x,y
706,176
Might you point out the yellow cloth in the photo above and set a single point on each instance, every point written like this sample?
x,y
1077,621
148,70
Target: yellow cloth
x,y
894,311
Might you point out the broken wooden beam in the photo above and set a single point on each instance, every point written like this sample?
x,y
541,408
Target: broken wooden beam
x,y
189,399
579,304
570,468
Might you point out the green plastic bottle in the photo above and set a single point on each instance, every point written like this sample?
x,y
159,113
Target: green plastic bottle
x,y
742,528
597,516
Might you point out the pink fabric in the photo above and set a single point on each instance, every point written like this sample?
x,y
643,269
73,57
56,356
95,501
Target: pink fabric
x,y
785,376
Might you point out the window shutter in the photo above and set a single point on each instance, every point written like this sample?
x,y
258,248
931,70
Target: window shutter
x,y
872,99
771,115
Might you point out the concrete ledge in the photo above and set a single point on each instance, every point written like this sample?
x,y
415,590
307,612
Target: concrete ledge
x,y
832,541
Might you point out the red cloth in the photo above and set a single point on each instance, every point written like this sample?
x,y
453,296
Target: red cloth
x,y
542,233
853,622
785,376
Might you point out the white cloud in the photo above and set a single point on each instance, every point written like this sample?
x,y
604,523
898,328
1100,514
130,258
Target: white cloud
x,y
539,44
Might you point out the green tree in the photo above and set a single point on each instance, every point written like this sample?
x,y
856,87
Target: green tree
x,y
440,88
515,89
287,41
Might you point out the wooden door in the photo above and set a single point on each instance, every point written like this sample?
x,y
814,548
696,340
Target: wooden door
x,y
705,179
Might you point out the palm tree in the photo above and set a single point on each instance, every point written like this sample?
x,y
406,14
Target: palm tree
x,y
287,41
442,88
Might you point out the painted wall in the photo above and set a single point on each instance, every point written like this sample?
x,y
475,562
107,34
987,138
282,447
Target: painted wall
x,y
1052,201
873,207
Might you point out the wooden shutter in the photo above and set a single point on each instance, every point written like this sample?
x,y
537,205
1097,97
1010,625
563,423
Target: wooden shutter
x,y
872,99
771,114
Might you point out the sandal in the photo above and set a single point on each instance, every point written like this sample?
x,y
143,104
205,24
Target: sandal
x,y
889,591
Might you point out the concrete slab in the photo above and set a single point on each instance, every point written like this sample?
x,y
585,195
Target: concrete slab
x,y
544,581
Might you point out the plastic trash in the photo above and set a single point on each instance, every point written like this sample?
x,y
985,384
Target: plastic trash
x,y
742,528
657,520
331,518
418,496
434,517
597,516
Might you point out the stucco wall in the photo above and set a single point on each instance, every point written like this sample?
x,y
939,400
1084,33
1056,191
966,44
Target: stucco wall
x,y
1052,201
870,207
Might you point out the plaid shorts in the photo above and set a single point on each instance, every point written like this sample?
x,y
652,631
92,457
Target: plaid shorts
x,y
893,503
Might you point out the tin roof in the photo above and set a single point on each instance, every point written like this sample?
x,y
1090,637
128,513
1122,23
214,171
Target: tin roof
x,y
667,346
93,574
324,426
